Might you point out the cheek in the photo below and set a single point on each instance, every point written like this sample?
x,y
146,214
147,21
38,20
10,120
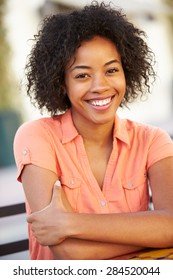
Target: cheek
x,y
122,85
72,94
75,91
69,88
123,88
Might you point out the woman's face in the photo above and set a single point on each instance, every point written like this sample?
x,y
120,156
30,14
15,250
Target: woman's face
x,y
95,82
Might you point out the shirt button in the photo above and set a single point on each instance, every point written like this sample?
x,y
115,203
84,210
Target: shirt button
x,y
72,182
130,185
103,203
24,152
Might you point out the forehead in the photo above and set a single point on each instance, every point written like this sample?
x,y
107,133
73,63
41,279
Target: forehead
x,y
96,49
97,43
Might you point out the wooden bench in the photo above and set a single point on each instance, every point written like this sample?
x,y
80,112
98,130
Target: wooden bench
x,y
18,245
13,226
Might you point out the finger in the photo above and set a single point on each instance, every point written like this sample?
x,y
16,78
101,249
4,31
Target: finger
x,y
56,195
57,184
29,219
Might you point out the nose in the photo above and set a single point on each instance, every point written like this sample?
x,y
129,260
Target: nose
x,y
99,84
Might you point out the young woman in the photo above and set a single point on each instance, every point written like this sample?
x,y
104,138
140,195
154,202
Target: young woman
x,y
83,66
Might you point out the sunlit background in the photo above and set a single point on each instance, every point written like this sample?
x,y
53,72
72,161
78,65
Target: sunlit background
x,y
19,21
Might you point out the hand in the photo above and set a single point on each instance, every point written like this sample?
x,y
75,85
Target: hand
x,y
48,224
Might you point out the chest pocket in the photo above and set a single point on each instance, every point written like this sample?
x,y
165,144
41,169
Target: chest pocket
x,y
136,192
71,187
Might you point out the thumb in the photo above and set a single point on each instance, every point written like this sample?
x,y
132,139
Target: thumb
x,y
29,218
56,194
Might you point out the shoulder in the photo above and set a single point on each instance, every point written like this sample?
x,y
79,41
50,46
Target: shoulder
x,y
144,134
38,133
138,126
41,126
145,130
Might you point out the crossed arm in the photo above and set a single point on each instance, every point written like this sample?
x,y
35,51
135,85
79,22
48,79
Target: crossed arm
x,y
98,236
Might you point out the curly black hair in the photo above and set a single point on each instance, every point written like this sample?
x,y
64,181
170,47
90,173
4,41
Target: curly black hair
x,y
61,34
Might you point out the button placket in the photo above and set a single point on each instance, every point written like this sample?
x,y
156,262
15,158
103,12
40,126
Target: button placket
x,y
103,203
130,185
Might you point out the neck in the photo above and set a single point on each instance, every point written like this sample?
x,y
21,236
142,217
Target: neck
x,y
98,134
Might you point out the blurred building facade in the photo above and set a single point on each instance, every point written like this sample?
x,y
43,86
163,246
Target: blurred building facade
x,y
151,16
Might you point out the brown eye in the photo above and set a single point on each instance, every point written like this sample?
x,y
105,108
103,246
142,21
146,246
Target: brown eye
x,y
112,70
81,76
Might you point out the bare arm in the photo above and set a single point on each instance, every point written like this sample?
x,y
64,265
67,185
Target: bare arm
x,y
143,229
78,249
148,229
38,183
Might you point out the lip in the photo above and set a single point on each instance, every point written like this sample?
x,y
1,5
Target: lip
x,y
100,98
103,107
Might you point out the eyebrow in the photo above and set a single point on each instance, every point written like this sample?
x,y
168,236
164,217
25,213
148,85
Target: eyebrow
x,y
88,67
112,61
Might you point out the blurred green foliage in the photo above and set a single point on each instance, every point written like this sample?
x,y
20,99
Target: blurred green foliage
x,y
170,4
9,113
8,88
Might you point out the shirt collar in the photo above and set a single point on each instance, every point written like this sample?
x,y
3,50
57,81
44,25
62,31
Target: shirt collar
x,y
121,130
69,131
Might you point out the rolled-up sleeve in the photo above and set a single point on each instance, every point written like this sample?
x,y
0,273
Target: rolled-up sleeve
x,y
161,147
33,145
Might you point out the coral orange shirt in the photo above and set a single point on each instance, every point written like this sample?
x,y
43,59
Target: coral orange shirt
x,y
54,144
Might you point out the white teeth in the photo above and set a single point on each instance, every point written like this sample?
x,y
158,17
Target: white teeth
x,y
100,102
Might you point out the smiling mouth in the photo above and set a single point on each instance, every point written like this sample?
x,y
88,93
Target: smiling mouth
x,y
101,102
